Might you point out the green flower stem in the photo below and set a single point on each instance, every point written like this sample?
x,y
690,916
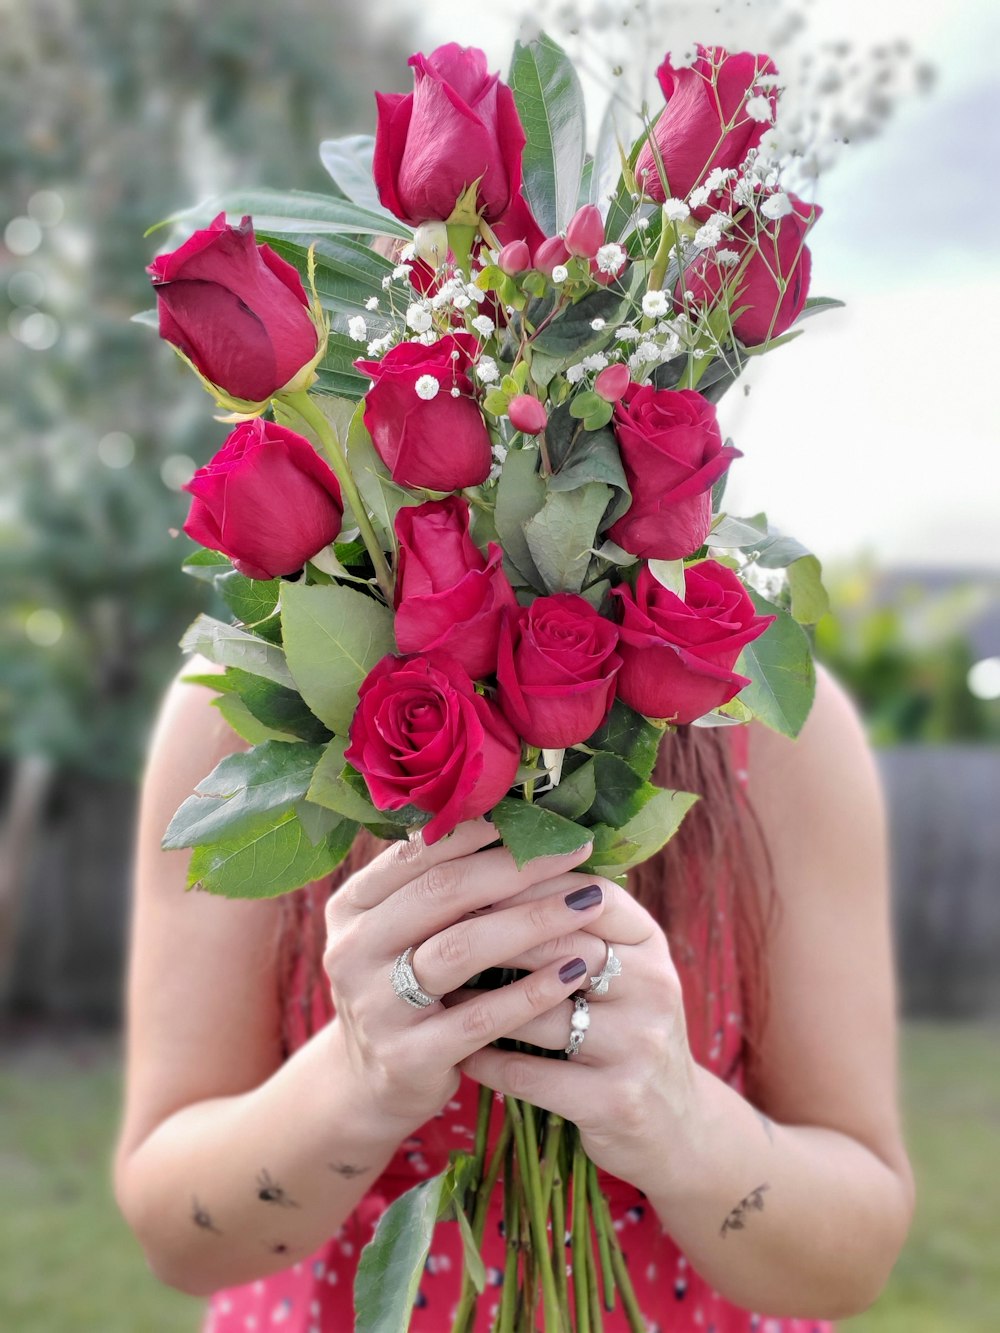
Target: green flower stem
x,y
622,1280
483,1196
302,404
601,1228
482,1130
532,1188
693,372
511,1222
581,1294
550,1159
559,1239
661,256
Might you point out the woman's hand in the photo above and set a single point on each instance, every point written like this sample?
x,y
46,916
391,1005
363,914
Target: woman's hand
x,y
634,1070
406,1059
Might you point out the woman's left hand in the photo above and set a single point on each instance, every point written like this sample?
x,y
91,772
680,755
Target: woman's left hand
x,y
631,1087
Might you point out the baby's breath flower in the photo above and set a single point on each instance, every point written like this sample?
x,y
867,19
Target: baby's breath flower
x,y
371,303
487,371
456,392
408,251
483,325
759,109
698,198
475,293
627,333
357,328
597,324
642,224
776,206
418,318
575,374
379,345
560,273
386,283
718,177
743,191
611,258
401,271
427,387
654,304
676,210
596,361
461,301
727,258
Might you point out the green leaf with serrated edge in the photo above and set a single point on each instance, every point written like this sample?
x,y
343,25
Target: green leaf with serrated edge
x,y
575,793
630,735
407,816
317,822
777,551
392,1263
571,336
520,495
781,670
250,600
291,211
329,787
562,534
228,645
204,564
333,636
620,792
737,533
619,849
242,791
243,722
594,456
273,705
669,574
809,598
550,103
529,830
265,863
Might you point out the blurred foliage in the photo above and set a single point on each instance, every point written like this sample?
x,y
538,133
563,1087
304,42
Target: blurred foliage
x,y
904,650
117,115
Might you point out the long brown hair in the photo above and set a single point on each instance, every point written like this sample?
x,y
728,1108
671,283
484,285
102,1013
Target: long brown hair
x,y
715,872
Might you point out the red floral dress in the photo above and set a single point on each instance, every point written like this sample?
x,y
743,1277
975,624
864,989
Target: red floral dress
x,y
315,1295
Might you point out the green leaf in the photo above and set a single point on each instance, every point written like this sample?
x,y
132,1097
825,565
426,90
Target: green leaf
x,y
571,337
778,550
349,164
563,533
204,564
291,211
228,645
380,493
392,1263
329,788
250,600
607,166
263,863
600,417
669,574
619,849
529,830
242,791
474,1265
275,706
347,273
738,532
574,794
620,792
629,735
550,103
579,456
815,305
520,495
243,722
810,601
333,636
781,669
316,821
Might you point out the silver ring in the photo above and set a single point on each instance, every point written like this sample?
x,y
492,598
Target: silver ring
x,y
406,985
612,968
578,1024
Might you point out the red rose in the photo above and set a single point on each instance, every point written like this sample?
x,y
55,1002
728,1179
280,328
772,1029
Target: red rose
x,y
771,248
706,123
672,452
459,125
424,435
238,312
422,736
267,500
678,656
556,671
448,597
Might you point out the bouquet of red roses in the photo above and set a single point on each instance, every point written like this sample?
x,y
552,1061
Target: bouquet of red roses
x,y
470,526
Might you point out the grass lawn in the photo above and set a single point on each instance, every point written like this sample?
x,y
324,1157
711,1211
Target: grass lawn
x,y
67,1261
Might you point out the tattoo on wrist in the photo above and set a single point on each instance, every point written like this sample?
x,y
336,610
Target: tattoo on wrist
x,y
768,1124
754,1201
269,1191
202,1218
347,1170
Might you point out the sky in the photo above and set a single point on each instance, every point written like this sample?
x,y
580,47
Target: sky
x,y
878,430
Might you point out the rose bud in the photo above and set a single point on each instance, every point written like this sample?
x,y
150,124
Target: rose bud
x,y
556,670
672,452
550,254
239,314
678,656
448,597
422,736
514,258
459,125
527,414
716,92
612,383
585,233
424,434
267,500
776,249
518,224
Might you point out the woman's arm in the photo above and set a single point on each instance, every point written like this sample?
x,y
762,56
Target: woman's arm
x,y
798,1200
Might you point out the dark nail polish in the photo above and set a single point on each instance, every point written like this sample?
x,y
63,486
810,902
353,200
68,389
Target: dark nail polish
x,y
572,970
589,896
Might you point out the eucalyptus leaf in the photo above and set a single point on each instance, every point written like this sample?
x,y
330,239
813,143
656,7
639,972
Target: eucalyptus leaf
x,y
619,849
228,645
392,1263
529,830
571,336
264,863
563,533
781,670
550,103
333,636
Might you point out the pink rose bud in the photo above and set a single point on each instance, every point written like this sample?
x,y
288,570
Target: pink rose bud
x,y
515,257
549,254
612,382
527,414
585,233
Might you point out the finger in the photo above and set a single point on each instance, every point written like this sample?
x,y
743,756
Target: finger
x,y
467,947
456,1031
623,919
447,891
405,859
559,1086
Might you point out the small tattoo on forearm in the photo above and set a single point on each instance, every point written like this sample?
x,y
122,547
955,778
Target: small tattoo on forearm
x,y
347,1170
202,1218
768,1124
268,1191
754,1201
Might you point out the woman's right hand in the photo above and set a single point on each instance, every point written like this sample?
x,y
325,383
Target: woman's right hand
x,y
403,1057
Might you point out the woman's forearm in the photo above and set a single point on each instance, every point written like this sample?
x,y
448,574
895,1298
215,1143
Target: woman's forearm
x,y
228,1190
795,1220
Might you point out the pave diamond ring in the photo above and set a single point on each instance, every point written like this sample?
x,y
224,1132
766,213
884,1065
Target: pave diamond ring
x,y
612,968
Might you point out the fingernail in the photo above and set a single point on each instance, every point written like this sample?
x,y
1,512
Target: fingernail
x,y
589,896
572,970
